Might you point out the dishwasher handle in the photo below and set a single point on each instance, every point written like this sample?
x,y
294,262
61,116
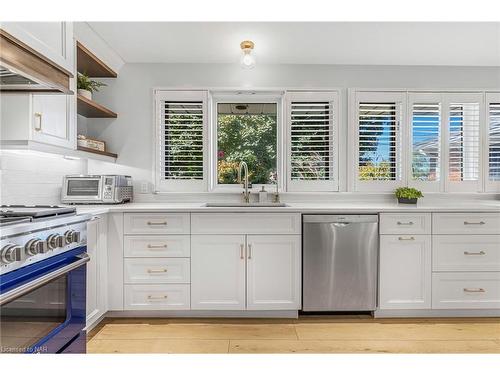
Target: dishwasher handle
x,y
340,219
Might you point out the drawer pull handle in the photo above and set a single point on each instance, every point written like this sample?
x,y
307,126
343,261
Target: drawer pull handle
x,y
405,223
164,270
157,297
157,246
157,223
38,124
474,223
406,238
241,251
476,253
474,290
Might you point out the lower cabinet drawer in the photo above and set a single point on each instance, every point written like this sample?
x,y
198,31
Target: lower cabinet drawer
x,y
157,297
471,290
466,253
156,246
156,270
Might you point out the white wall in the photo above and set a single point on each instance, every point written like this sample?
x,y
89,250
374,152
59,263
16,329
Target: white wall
x,y
131,135
34,177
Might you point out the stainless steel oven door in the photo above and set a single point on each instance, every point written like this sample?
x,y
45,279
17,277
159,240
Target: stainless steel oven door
x,y
82,189
47,312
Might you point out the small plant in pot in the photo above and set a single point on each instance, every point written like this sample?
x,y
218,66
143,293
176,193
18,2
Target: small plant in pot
x,y
87,86
408,195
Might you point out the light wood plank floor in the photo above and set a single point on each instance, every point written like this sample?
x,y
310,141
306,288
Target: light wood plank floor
x,y
353,334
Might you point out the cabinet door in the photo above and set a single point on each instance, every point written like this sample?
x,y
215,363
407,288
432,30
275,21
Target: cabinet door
x,y
218,272
273,272
405,272
52,120
92,271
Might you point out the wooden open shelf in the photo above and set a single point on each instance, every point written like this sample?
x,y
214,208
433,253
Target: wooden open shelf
x,y
91,150
90,109
90,64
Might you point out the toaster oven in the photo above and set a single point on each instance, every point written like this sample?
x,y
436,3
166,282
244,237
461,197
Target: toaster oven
x,y
97,189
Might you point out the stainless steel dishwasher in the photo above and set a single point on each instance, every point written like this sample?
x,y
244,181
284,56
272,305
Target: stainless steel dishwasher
x,y
340,257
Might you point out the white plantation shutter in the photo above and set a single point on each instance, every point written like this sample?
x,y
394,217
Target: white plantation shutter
x,y
182,123
312,149
463,141
493,148
378,120
425,111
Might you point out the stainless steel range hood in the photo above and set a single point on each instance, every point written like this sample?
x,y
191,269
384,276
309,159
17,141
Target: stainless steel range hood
x,y
24,69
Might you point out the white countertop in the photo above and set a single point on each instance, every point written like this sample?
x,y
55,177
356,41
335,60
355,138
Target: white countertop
x,y
312,207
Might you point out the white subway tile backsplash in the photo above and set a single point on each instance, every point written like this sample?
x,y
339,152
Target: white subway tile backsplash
x,y
35,178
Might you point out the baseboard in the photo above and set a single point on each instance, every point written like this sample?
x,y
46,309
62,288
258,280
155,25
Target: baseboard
x,y
94,322
291,314
468,313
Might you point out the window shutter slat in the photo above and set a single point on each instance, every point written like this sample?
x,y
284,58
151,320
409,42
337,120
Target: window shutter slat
x,y
183,140
379,141
494,141
311,140
463,139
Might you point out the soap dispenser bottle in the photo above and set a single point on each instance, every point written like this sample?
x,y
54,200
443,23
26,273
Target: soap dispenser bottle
x,y
263,195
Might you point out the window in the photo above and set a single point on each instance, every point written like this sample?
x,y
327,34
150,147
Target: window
x,y
463,141
425,140
378,119
181,131
493,149
312,146
246,131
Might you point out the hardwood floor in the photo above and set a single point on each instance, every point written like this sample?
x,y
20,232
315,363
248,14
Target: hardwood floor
x,y
353,334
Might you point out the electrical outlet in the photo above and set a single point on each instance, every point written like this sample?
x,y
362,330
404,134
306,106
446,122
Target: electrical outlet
x,y
144,187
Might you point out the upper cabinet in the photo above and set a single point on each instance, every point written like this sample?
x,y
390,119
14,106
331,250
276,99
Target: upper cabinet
x,y
52,40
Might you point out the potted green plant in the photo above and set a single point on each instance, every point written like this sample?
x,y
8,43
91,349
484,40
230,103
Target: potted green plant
x,y
408,195
87,86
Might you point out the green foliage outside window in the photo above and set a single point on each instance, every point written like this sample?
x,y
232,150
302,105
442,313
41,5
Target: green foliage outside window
x,y
249,138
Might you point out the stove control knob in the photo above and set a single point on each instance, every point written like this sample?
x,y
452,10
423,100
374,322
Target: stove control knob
x,y
72,236
10,253
54,241
35,246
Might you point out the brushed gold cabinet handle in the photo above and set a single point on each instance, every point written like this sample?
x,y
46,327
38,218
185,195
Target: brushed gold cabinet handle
x,y
150,297
405,223
474,290
157,223
163,270
474,223
38,115
472,253
406,238
241,251
249,251
157,246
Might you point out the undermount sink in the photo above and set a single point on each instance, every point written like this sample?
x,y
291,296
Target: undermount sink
x,y
241,204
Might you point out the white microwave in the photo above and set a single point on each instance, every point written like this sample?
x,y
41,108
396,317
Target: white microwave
x,y
96,189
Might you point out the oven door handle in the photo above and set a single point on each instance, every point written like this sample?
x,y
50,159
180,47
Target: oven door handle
x,y
34,284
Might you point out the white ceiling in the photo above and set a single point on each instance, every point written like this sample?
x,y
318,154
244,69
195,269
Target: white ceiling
x,y
373,43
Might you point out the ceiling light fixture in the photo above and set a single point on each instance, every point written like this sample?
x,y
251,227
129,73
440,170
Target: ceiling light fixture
x,y
247,59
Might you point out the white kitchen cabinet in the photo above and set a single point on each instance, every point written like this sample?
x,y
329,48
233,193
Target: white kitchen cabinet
x,y
53,121
44,118
246,272
52,40
273,272
96,270
405,272
218,272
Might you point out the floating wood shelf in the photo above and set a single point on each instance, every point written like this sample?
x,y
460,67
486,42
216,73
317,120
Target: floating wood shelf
x,y
91,65
97,152
90,109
